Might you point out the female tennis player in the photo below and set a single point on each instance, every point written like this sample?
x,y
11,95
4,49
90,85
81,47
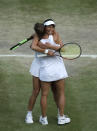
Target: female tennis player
x,y
48,73
34,70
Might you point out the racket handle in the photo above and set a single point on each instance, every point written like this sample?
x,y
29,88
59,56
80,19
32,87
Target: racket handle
x,y
14,47
21,42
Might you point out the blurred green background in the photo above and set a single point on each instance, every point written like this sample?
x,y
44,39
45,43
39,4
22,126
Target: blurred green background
x,y
76,20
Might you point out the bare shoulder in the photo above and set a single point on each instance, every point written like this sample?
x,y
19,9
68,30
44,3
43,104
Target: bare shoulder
x,y
35,40
36,36
56,34
56,37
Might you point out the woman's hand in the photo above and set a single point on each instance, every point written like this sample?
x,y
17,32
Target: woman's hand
x,y
41,45
50,53
48,45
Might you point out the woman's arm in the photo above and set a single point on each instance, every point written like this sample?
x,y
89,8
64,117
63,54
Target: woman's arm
x,y
35,46
47,45
54,47
58,39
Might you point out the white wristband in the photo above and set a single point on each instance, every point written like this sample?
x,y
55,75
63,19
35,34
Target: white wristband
x,y
46,51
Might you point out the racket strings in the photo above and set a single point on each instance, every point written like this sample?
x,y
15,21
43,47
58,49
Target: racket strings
x,y
70,51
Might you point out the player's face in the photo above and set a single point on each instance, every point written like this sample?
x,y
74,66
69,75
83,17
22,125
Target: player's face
x,y
50,29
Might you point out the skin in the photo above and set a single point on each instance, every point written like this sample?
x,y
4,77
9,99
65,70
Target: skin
x,y
38,46
45,86
35,92
35,80
60,97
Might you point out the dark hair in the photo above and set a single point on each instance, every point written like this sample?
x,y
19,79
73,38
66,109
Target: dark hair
x,y
49,20
39,29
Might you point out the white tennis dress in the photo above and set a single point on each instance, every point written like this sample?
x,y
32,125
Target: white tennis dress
x,y
35,66
48,68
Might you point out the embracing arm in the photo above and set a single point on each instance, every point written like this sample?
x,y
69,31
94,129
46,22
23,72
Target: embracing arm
x,y
48,45
54,47
59,41
35,46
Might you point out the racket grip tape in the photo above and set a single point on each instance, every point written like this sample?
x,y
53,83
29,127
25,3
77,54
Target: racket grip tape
x,y
21,42
14,47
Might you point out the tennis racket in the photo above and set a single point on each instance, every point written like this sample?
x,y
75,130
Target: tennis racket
x,y
69,51
21,43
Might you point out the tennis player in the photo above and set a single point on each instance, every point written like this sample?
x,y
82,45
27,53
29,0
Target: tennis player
x,y
48,73
34,70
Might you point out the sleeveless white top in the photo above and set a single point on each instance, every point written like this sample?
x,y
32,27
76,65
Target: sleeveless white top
x,y
52,68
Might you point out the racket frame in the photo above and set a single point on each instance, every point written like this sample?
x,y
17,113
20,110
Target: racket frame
x,y
70,58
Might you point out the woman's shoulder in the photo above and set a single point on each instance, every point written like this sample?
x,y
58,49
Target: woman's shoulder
x,y
56,37
56,34
36,37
